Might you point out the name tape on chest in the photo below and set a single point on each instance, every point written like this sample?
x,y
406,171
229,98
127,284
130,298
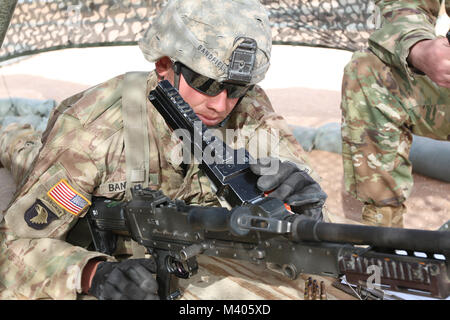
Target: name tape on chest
x,y
68,198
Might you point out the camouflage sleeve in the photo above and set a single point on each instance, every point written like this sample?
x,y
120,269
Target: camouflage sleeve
x,y
40,268
56,195
404,23
35,260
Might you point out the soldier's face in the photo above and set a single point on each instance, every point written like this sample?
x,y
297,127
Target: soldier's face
x,y
210,109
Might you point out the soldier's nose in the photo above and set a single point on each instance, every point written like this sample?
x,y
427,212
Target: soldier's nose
x,y
218,102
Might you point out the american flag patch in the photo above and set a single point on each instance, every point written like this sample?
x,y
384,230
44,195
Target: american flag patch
x,y
67,198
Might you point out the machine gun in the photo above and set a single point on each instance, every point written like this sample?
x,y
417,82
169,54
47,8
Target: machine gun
x,y
175,233
260,229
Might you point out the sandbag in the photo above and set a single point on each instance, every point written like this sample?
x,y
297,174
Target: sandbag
x,y
305,136
328,138
431,157
23,106
22,110
38,123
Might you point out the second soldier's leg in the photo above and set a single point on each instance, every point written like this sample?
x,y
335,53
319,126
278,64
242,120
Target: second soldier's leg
x,y
380,108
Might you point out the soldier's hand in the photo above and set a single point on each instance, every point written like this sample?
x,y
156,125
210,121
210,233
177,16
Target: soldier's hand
x,y
432,57
291,185
127,280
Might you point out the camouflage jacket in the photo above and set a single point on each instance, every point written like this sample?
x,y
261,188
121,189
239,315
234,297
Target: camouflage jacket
x,y
83,155
403,23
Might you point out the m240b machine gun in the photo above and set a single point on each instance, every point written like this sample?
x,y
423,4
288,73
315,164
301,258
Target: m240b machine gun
x,y
260,229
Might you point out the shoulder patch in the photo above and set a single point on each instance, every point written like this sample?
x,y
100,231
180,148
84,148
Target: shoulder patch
x,y
39,216
68,198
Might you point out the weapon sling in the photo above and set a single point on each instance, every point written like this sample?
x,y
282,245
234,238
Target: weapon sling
x,y
136,140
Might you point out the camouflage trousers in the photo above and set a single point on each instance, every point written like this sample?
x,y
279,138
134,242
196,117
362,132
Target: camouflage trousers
x,y
381,109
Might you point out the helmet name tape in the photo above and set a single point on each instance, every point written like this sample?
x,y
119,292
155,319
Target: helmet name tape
x,y
211,57
242,61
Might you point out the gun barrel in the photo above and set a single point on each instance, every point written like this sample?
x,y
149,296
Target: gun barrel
x,y
382,237
209,218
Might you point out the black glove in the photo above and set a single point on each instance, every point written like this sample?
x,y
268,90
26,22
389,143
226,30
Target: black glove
x,y
291,185
127,280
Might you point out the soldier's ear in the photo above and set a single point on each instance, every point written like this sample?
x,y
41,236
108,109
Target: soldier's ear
x,y
164,67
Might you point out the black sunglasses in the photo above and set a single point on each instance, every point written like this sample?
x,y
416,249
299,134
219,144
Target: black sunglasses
x,y
209,86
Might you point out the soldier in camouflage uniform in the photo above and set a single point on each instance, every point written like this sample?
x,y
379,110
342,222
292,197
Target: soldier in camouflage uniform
x,y
397,88
81,154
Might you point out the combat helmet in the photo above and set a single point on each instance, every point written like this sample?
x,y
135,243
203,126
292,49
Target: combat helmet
x,y
226,40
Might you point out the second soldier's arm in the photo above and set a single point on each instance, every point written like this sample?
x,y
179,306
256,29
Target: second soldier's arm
x,y
404,23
